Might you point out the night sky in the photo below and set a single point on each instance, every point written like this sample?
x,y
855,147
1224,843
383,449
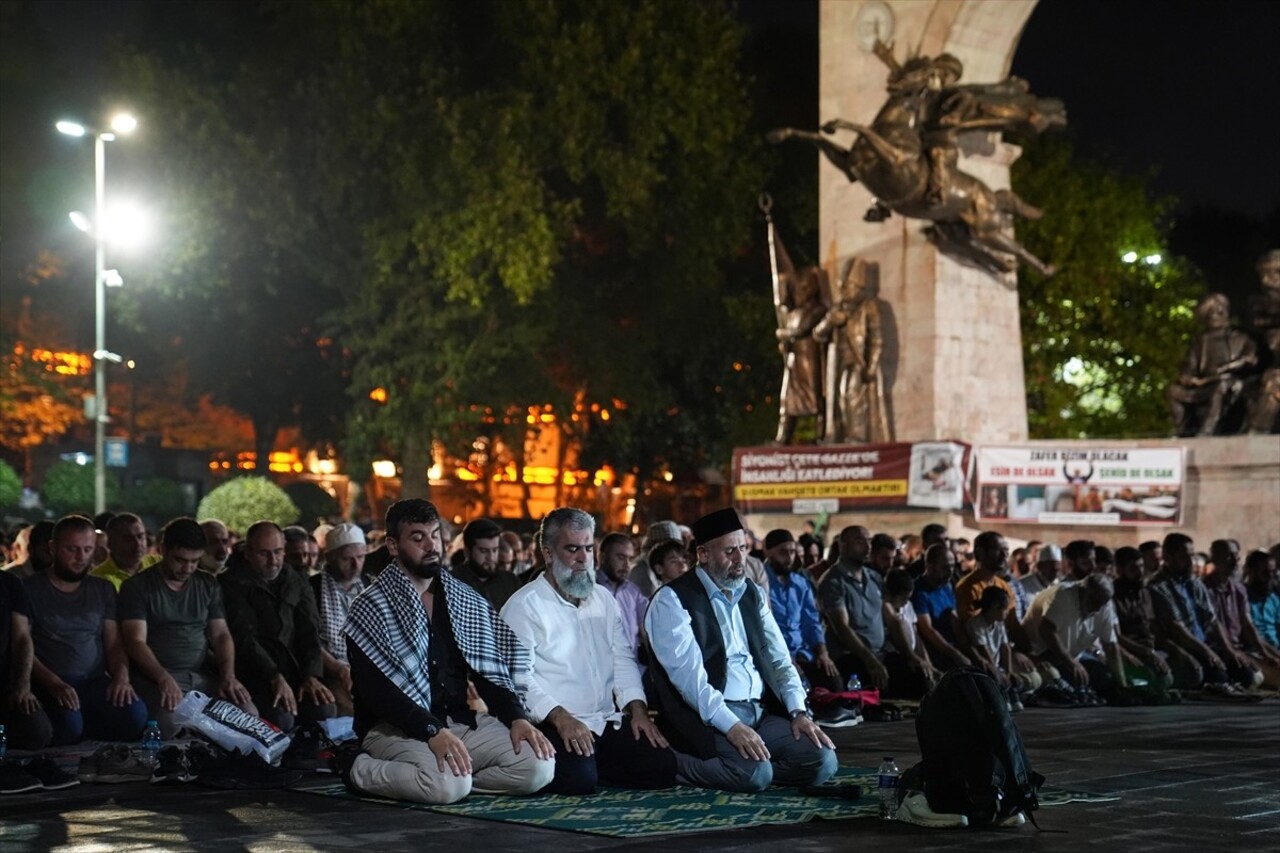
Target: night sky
x,y
1189,91
1189,88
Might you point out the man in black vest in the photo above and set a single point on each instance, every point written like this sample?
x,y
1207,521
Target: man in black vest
x,y
731,702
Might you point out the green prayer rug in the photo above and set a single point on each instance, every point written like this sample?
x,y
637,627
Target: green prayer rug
x,y
622,813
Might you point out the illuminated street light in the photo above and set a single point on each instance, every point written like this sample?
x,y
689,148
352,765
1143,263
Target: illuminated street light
x,y
1152,260
124,123
120,123
1129,257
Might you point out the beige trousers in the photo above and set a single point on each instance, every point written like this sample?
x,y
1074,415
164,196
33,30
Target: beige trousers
x,y
404,768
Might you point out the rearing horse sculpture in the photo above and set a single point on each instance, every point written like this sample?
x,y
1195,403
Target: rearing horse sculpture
x,y
907,157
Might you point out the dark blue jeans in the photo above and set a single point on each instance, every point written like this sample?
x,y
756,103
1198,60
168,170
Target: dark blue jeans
x,y
619,760
96,718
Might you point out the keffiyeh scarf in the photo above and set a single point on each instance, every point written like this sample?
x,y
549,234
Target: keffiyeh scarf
x,y
387,622
334,604
489,645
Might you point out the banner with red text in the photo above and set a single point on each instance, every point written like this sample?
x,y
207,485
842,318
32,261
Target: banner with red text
x,y
812,480
1101,486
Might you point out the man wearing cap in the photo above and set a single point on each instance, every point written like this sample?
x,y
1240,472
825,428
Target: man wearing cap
x,y
334,588
731,702
642,575
415,638
480,540
1047,572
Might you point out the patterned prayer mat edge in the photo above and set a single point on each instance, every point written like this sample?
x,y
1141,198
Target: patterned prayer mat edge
x,y
622,813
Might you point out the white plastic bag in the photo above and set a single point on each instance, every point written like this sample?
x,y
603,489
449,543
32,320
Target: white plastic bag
x,y
339,729
230,728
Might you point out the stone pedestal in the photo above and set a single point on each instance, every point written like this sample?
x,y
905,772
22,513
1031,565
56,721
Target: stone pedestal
x,y
953,345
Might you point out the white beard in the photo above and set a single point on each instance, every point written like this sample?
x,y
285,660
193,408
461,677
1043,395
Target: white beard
x,y
576,585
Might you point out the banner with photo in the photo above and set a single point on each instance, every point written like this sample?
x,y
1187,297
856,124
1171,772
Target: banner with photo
x,y
1071,485
812,480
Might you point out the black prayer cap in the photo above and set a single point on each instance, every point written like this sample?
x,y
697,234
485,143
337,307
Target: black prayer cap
x,y
716,524
774,538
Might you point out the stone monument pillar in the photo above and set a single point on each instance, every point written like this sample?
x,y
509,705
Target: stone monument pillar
x,y
953,349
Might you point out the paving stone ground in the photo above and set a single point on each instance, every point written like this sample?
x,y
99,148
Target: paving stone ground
x,y
1194,777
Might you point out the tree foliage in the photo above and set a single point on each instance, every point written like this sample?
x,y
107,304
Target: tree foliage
x,y
240,502
314,504
68,487
477,208
239,283
10,485
570,196
159,497
1103,337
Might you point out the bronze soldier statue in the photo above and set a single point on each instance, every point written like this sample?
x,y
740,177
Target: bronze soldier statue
x,y
856,411
1214,372
800,302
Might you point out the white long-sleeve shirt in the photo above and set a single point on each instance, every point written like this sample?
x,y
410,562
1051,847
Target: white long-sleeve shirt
x,y
581,658
670,631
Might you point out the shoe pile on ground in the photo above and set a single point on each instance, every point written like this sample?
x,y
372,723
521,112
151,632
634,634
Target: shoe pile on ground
x,y
37,774
113,763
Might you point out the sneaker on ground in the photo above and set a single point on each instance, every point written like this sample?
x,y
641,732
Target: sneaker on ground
x,y
915,810
113,763
199,756
236,771
171,766
1054,696
838,717
16,780
1015,819
51,776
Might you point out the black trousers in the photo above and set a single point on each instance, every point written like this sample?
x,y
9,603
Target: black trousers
x,y
619,760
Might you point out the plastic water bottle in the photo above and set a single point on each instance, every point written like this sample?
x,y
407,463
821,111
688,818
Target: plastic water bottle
x,y
855,683
887,777
152,742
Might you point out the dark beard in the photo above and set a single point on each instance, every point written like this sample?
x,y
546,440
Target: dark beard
x,y
67,575
426,569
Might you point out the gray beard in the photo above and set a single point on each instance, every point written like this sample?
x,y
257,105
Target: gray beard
x,y
723,580
576,585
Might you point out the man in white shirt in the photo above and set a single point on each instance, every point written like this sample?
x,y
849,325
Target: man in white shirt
x,y
583,689
1066,620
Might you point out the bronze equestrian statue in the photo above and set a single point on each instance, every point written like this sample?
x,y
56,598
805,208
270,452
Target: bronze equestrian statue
x,y
907,156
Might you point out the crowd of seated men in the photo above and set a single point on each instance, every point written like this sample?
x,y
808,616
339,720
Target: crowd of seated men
x,y
484,661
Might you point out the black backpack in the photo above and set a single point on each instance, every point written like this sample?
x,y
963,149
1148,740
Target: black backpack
x,y
972,760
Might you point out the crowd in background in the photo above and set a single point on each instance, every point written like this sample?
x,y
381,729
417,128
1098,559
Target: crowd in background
x,y
107,624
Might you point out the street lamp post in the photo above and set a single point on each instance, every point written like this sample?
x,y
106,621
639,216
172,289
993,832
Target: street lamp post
x,y
122,123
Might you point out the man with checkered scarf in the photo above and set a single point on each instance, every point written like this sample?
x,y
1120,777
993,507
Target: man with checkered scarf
x,y
414,638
